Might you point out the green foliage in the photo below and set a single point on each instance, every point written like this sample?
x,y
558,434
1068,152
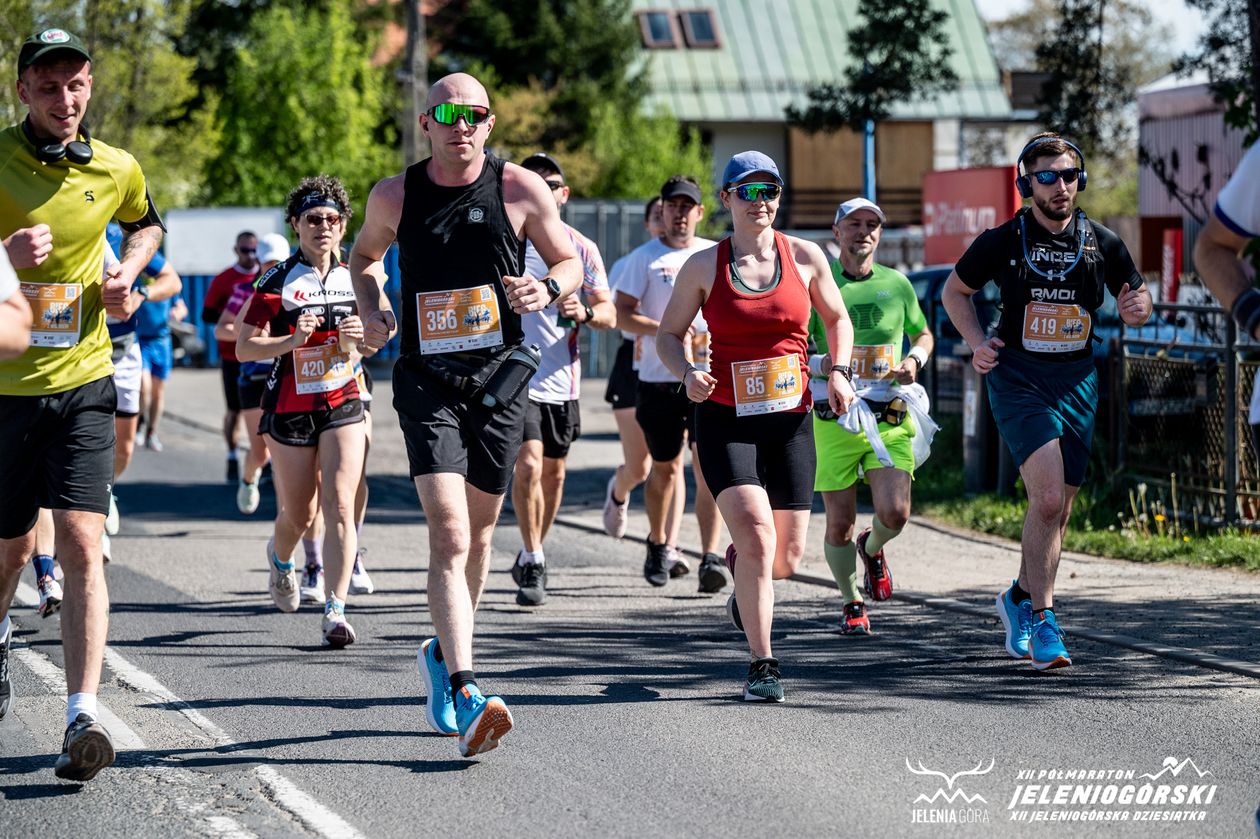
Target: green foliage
x,y
582,52
901,53
1225,52
301,99
141,86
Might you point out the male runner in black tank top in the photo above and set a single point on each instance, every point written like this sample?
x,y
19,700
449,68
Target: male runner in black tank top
x,y
461,219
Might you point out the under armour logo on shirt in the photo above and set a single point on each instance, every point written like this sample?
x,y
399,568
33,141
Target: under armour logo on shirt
x,y
476,215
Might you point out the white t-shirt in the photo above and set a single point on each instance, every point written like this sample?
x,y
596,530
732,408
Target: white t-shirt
x,y
615,274
8,277
1238,208
649,275
559,375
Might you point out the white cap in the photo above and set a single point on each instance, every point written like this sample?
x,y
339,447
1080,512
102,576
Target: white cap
x,y
855,204
273,247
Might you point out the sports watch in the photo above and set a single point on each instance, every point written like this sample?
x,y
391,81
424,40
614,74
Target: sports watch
x,y
553,288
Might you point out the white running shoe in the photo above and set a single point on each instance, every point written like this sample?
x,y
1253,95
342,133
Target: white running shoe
x,y
337,631
360,582
105,546
283,584
153,444
676,564
615,515
312,587
248,496
111,518
49,596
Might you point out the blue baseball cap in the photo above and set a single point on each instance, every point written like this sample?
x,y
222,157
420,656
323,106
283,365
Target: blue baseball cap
x,y
748,163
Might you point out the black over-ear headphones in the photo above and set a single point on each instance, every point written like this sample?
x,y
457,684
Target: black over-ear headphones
x,y
76,151
1023,182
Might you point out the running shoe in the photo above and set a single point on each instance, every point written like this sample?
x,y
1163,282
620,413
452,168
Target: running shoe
x,y
482,720
731,556
311,589
360,582
49,596
106,548
86,750
153,444
283,582
337,630
1046,645
854,620
1018,620
233,470
439,707
763,683
677,564
655,569
713,574
732,612
615,515
111,518
878,579
247,496
531,578
6,686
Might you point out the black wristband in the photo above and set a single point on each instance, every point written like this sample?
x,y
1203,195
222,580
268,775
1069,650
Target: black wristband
x,y
1246,310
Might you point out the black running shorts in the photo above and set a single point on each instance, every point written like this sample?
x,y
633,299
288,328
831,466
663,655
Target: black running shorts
x,y
557,426
444,432
250,391
665,414
303,428
231,371
56,452
774,451
623,381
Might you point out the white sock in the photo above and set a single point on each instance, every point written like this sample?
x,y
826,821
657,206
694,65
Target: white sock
x,y
4,628
80,703
527,558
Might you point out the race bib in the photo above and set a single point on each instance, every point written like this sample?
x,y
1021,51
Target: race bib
x,y
454,321
1055,327
320,369
54,313
872,362
767,386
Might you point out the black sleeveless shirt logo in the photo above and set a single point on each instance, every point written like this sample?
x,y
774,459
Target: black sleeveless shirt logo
x,y
455,238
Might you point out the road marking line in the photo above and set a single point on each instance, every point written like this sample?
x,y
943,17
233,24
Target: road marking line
x,y
286,795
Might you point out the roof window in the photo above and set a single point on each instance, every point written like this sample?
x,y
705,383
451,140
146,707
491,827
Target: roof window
x,y
657,28
700,29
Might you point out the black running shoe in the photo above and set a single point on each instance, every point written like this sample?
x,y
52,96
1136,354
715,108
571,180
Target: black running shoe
x,y
532,579
233,471
6,687
655,567
763,681
732,612
713,574
86,750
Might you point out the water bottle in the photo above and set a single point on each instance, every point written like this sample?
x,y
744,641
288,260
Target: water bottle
x,y
510,379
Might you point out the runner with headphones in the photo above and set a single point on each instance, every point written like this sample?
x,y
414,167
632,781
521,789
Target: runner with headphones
x,y
1053,267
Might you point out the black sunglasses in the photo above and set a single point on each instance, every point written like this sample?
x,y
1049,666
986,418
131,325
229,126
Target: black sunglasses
x,y
1046,177
554,185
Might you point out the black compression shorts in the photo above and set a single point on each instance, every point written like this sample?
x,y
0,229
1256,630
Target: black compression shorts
x,y
774,451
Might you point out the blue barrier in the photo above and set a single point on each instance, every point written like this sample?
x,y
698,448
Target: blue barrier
x,y
194,292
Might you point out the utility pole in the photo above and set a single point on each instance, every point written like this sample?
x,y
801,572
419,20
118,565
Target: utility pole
x,y
415,77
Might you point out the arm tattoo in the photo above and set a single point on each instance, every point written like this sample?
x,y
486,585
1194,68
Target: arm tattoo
x,y
143,242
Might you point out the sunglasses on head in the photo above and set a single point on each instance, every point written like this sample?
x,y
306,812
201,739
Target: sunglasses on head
x,y
448,113
757,192
316,220
1047,177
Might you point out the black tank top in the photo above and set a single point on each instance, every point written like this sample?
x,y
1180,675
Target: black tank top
x,y
454,237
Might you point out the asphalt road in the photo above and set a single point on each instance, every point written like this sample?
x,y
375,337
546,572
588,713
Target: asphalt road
x,y
234,722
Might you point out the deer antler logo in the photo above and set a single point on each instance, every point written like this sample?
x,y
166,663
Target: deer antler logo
x,y
953,795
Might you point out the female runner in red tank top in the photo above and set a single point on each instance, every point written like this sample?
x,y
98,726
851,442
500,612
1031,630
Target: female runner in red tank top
x,y
754,437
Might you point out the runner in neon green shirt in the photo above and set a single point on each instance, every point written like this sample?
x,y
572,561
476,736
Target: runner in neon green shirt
x,y
884,308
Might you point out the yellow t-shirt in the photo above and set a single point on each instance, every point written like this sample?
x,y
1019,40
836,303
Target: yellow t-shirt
x,y
70,344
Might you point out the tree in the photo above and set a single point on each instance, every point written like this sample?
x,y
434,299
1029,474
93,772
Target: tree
x,y
901,53
1228,51
141,86
301,98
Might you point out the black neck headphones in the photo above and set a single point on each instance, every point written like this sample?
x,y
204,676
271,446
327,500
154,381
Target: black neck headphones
x,y
1024,182
76,151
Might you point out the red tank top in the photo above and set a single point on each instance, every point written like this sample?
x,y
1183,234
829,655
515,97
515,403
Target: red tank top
x,y
754,327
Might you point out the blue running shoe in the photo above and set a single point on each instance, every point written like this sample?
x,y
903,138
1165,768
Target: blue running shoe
x,y
1017,618
483,720
1046,646
439,710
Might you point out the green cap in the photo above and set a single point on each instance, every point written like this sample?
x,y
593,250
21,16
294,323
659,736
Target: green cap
x,y
47,41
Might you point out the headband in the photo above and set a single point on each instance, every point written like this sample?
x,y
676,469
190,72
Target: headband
x,y
316,199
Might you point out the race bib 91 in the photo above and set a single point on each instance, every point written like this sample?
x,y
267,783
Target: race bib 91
x,y
455,321
54,313
1055,327
767,385
872,362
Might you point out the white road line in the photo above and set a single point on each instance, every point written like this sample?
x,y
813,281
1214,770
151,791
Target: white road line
x,y
280,789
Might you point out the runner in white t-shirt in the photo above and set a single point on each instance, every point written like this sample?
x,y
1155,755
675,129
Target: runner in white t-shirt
x,y
15,312
662,408
1235,221
552,418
